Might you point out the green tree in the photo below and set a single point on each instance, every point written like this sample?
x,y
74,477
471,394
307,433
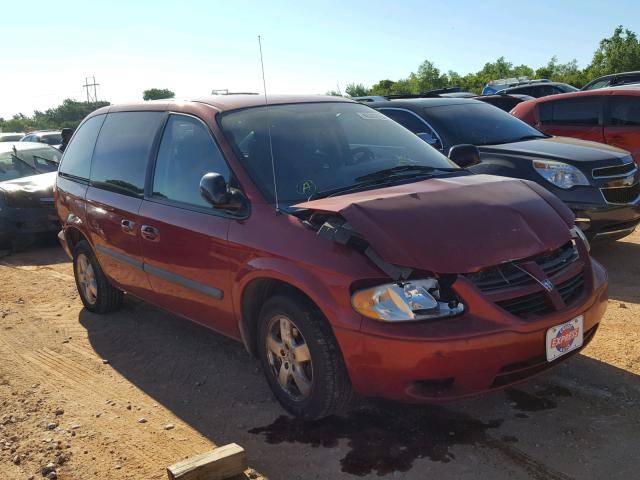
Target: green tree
x,y
157,94
69,114
334,93
383,87
356,90
618,53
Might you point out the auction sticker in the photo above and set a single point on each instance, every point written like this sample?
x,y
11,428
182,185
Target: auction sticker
x,y
564,338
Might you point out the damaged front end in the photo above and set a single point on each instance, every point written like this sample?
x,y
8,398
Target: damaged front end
x,y
425,235
410,297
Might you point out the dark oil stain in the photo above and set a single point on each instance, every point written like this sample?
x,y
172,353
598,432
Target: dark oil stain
x,y
385,440
509,439
521,415
553,390
529,402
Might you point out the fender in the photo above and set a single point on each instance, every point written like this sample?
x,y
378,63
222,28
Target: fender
x,y
338,310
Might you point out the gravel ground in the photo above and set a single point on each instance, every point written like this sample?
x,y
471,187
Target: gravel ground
x,y
122,396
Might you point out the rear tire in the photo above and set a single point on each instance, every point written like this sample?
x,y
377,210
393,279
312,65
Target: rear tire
x,y
304,367
96,292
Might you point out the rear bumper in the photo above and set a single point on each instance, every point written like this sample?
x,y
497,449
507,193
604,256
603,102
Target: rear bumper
x,y
432,368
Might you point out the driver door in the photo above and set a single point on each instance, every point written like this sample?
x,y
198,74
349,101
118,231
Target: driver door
x,y
184,240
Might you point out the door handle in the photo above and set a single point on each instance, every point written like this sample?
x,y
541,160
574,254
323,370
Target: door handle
x,y
149,233
128,226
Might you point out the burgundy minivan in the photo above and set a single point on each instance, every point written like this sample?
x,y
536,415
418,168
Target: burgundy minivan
x,y
341,249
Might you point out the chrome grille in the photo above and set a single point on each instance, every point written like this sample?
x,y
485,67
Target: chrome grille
x,y
621,194
614,171
509,275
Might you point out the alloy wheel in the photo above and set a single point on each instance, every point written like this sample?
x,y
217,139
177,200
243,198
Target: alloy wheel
x,y
289,357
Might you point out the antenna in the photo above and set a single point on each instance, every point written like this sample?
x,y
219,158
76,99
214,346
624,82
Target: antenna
x,y
266,106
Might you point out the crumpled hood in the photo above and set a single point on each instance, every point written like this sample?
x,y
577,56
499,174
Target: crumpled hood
x,y
33,191
457,224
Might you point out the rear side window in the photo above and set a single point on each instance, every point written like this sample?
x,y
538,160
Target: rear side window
x,y
574,111
628,79
186,153
122,151
624,111
77,156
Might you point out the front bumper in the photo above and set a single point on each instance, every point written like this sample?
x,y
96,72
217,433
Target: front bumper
x,y
607,221
484,349
17,223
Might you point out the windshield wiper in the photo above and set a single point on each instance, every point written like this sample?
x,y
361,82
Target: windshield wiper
x,y
349,188
403,170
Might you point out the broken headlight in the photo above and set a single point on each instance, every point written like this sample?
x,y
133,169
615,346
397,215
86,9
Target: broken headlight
x,y
576,232
405,301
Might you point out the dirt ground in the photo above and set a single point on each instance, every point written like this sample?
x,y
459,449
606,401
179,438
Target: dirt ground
x,y
122,396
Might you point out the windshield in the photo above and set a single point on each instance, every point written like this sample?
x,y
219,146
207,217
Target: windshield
x,y
478,124
567,88
29,161
51,138
321,147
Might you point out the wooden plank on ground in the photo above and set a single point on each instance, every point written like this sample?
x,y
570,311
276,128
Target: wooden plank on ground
x,y
218,464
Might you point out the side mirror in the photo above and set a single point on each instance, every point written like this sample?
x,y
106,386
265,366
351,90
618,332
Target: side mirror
x,y
429,139
465,155
214,189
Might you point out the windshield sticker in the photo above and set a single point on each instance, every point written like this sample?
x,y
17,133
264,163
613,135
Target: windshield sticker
x,y
306,187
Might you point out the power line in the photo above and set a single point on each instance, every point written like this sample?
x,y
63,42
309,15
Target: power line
x,y
91,98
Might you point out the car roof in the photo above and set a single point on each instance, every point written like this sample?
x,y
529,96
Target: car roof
x,y
221,102
537,84
621,74
425,102
22,146
619,90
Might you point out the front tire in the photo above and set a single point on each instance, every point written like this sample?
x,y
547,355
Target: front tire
x,y
96,292
301,359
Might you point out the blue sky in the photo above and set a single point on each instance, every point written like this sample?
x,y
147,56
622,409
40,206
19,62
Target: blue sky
x,y
192,47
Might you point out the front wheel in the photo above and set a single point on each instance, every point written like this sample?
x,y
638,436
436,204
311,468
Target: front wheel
x,y
96,292
301,359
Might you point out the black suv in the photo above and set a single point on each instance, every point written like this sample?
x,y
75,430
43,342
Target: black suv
x,y
613,80
541,89
574,170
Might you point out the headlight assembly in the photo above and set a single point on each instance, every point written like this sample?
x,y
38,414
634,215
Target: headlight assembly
x,y
560,174
404,302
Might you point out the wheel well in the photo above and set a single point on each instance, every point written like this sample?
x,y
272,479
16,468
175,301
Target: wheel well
x,y
254,295
73,237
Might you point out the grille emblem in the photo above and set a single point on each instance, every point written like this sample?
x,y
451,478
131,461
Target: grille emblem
x,y
628,181
548,286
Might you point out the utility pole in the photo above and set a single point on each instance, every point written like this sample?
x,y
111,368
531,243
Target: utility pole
x,y
91,98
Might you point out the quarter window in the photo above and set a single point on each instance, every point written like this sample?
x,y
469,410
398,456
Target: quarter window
x,y
77,156
187,152
122,151
624,111
575,111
